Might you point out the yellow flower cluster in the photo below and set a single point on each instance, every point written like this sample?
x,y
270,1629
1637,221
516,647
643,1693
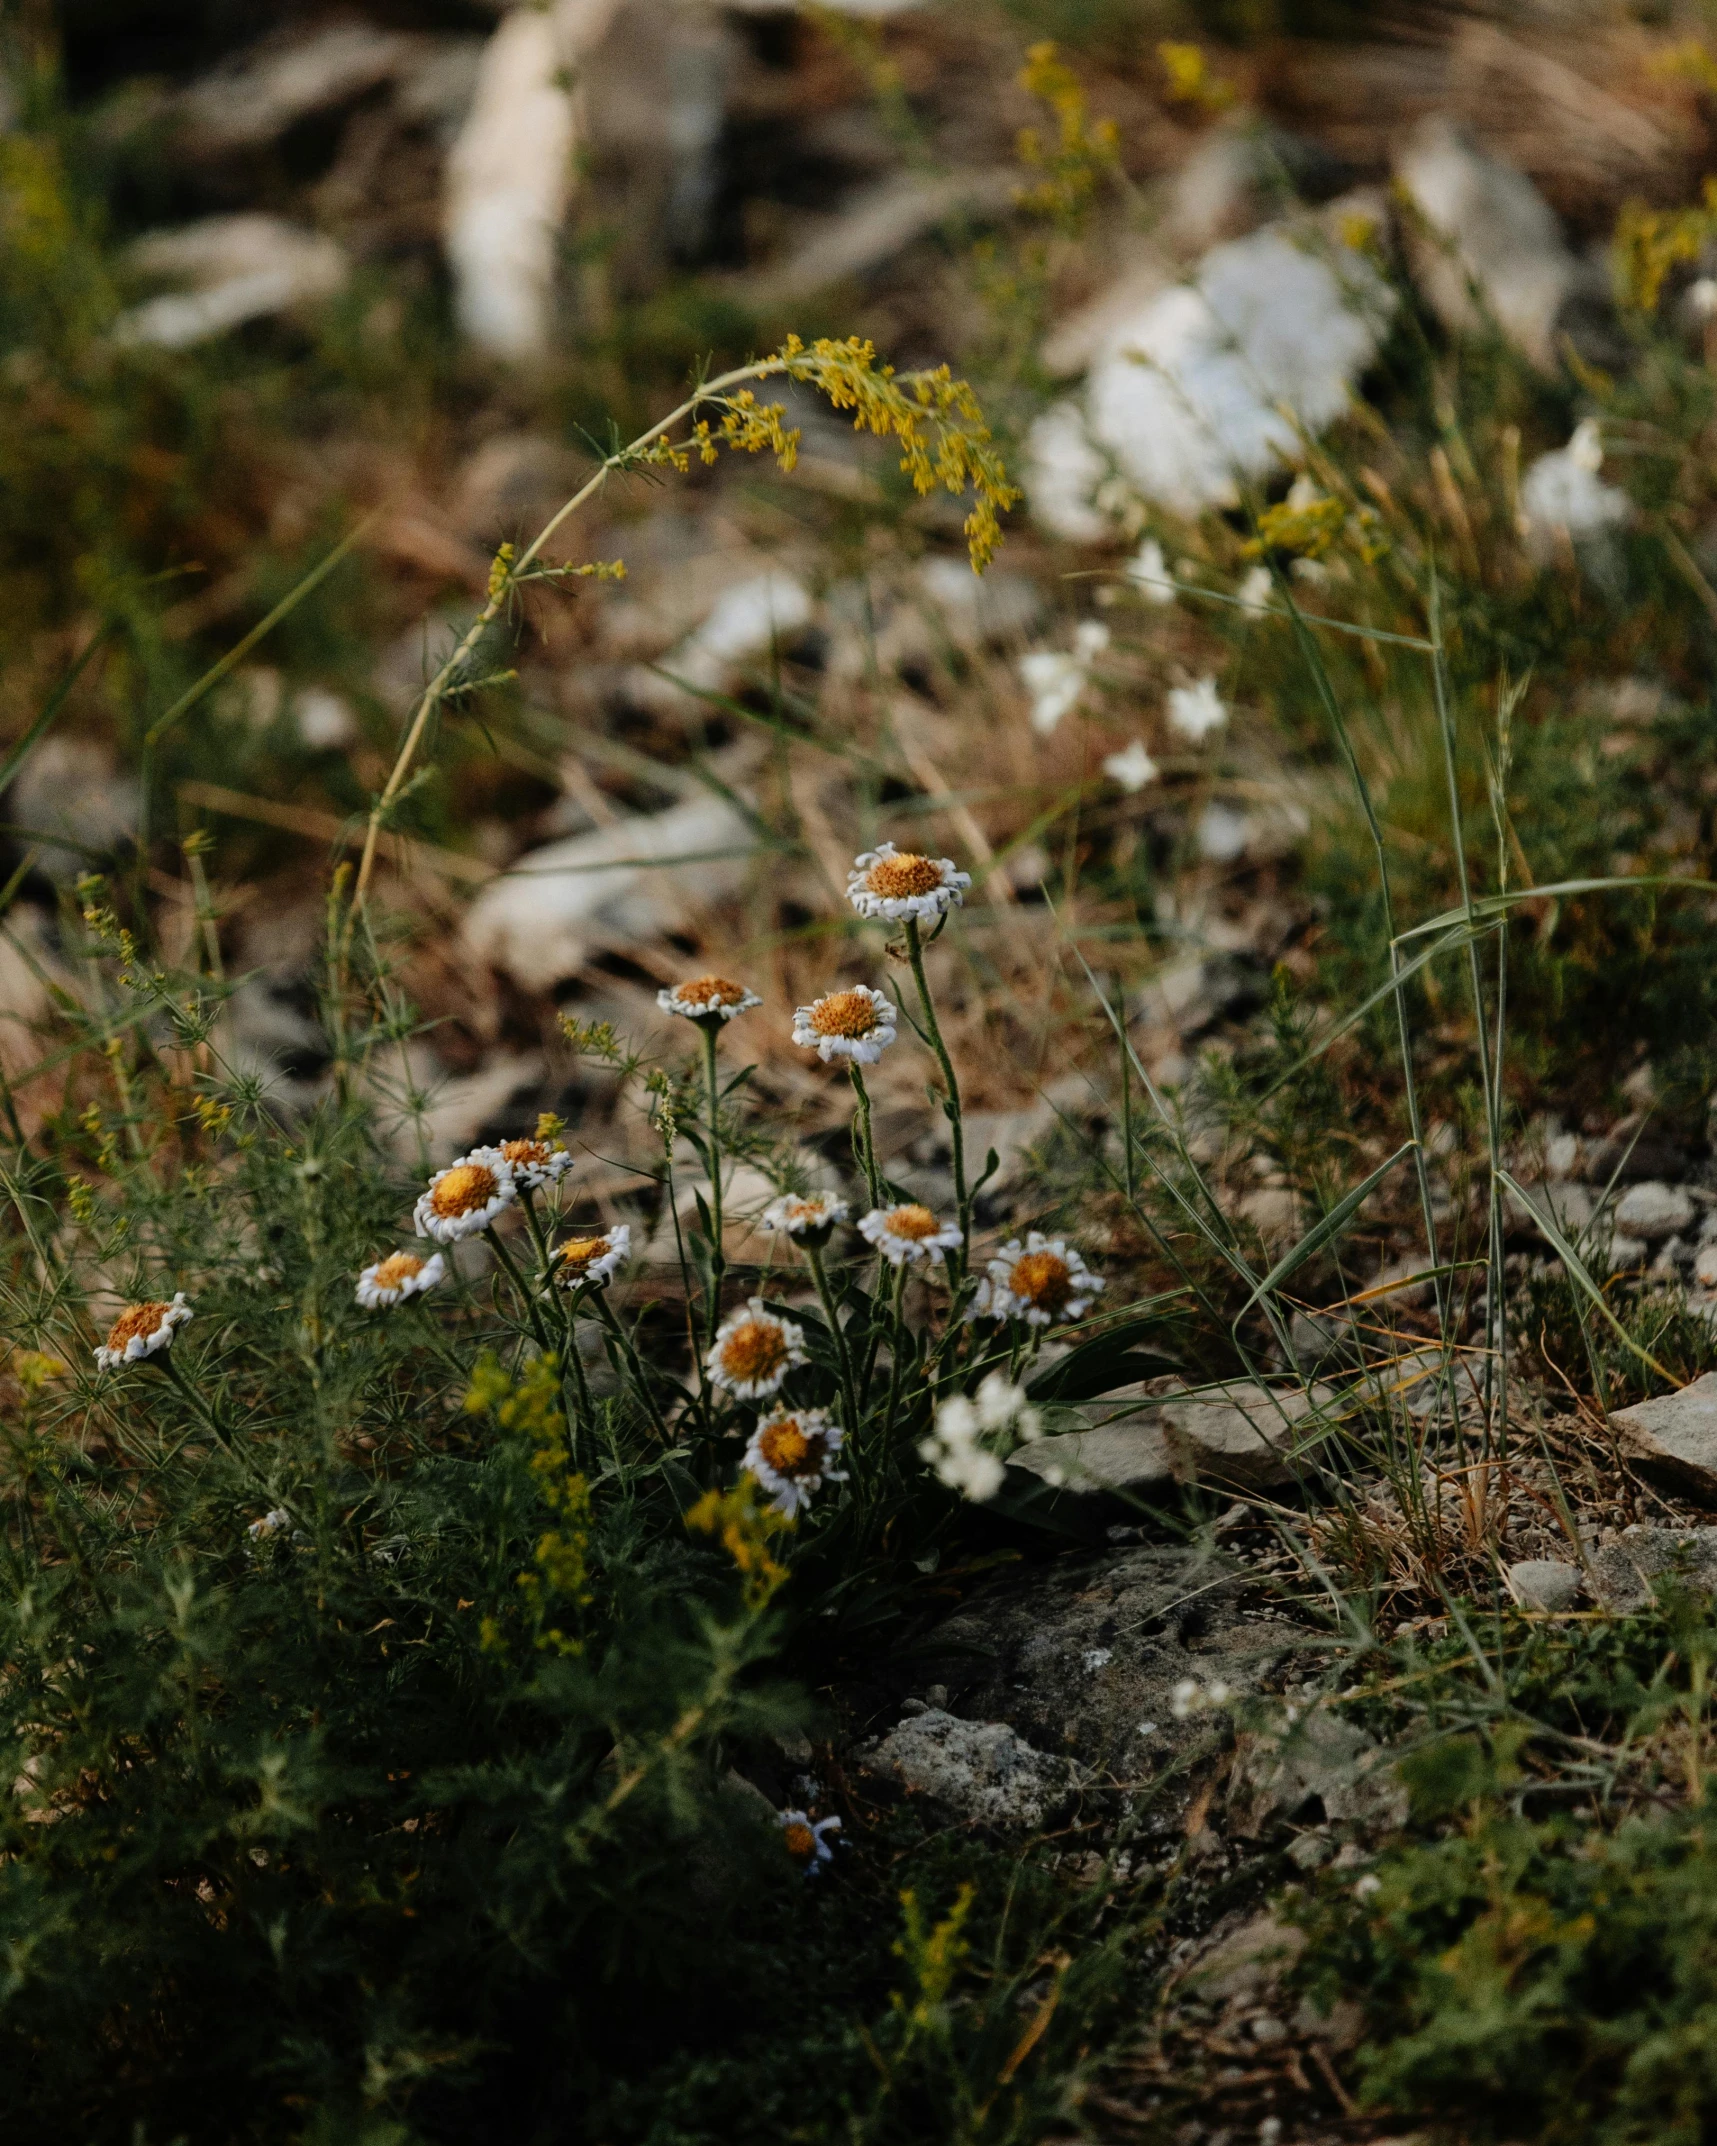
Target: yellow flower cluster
x,y
1187,79
1308,531
743,1529
530,1407
1083,153
1650,242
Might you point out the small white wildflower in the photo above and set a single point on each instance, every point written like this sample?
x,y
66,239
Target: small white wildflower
x,y
707,998
269,1524
753,1352
1195,711
402,1274
141,1330
1256,590
1363,1888
1148,571
1190,1697
956,1451
1056,679
466,1197
900,885
1002,1406
1040,1281
807,1840
790,1454
536,1162
856,1025
1133,768
805,1217
909,1234
585,1261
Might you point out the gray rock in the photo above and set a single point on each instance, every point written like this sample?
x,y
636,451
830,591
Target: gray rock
x,y
1544,1583
1674,1438
69,786
1569,1206
1653,1211
1642,1564
1129,1458
1083,1655
1243,1436
980,1770
1319,1767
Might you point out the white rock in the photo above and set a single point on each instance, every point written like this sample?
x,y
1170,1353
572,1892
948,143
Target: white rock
x,y
239,267
1705,1267
1543,1583
1652,1211
1490,228
745,622
1193,391
981,1769
266,88
70,786
1675,1436
633,880
510,174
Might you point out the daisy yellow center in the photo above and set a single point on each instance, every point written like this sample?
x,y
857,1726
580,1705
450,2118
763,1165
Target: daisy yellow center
x,y
801,1841
579,1252
896,877
1043,1279
912,1221
522,1153
786,1447
844,1013
710,991
399,1268
757,1349
802,1214
465,1188
135,1321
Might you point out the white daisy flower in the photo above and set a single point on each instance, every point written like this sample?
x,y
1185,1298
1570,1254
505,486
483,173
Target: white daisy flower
x,y
1133,768
753,1352
807,1840
269,1524
856,1024
1195,711
897,884
805,1217
582,1260
400,1275
1040,1281
956,1451
140,1330
535,1163
708,998
466,1196
790,1454
1148,571
909,1232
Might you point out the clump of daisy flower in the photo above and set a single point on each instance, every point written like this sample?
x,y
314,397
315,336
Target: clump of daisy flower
x,y
1040,1281
961,1446
807,1218
402,1274
141,1330
466,1197
715,999
1195,711
753,1351
807,1840
1056,680
856,1025
1132,767
1190,1697
909,1233
584,1261
900,885
535,1161
790,1453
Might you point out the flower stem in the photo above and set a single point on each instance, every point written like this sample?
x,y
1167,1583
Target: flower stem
x,y
526,1296
575,1364
897,1346
864,1143
826,1295
717,1258
605,1312
951,1103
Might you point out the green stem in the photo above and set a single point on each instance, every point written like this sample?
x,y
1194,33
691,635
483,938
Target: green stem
x,y
951,1104
575,1364
717,1259
899,1355
864,1144
826,1296
526,1297
605,1312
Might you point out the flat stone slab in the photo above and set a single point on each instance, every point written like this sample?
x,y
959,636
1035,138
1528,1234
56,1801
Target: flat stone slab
x,y
981,1770
1675,1438
1132,1459
1645,1563
1240,1437
1545,1583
